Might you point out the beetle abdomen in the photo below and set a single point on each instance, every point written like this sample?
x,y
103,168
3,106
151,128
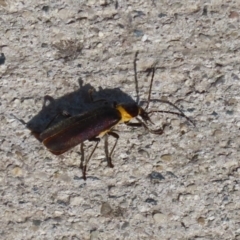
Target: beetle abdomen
x,y
77,129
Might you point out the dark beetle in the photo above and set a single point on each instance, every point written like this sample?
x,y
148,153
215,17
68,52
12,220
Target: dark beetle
x,y
67,134
96,123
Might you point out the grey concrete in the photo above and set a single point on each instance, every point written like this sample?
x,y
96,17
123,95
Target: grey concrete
x,y
183,184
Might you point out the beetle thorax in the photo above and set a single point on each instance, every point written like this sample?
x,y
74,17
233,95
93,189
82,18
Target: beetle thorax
x,y
128,111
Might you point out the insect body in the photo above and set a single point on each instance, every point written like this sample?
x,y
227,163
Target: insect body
x,y
91,125
96,123
77,129
70,132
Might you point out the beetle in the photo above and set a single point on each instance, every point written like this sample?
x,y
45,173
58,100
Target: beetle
x,y
94,124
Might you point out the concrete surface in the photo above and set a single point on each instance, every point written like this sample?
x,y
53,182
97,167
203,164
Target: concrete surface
x,y
183,184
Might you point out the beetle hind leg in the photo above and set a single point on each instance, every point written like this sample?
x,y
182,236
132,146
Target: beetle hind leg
x,y
84,166
109,155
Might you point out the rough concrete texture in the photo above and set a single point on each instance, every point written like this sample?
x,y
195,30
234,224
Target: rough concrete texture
x,y
183,184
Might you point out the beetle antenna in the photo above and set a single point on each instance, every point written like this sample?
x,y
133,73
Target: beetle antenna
x,y
150,88
135,76
181,113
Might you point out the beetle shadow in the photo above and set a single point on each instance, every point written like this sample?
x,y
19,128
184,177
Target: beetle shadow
x,y
74,103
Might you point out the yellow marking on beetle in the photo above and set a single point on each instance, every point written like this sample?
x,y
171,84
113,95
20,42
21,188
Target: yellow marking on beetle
x,y
125,117
124,114
101,134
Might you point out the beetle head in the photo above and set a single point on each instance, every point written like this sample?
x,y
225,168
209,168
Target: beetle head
x,y
144,115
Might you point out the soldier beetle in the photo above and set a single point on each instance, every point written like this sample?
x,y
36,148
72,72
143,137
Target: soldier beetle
x,y
94,124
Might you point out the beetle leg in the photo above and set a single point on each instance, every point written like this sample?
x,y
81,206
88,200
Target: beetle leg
x,y
109,156
158,131
106,148
139,124
84,167
82,155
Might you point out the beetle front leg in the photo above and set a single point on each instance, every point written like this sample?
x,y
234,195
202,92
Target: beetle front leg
x,y
138,124
158,131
